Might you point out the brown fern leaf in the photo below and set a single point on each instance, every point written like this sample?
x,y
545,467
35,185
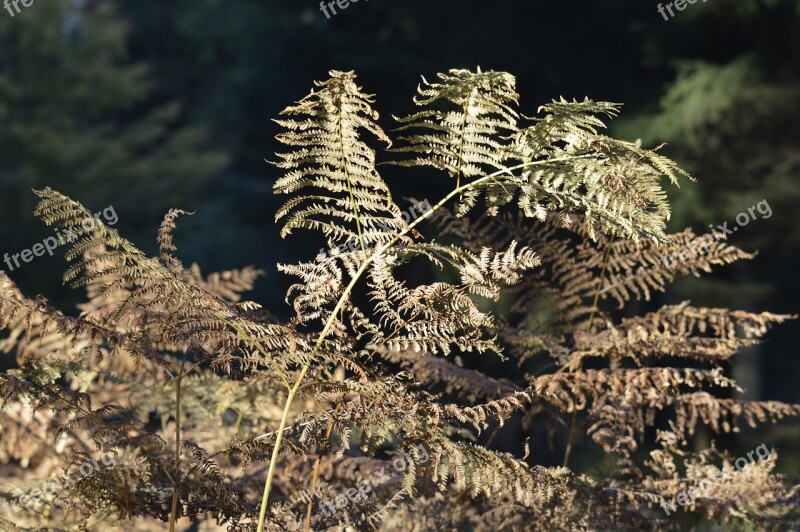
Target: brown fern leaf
x,y
333,168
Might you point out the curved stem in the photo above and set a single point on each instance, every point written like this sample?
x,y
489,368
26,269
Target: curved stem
x,y
568,450
340,304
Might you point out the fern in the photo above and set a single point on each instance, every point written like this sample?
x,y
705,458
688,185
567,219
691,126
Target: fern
x,y
206,400
466,139
342,193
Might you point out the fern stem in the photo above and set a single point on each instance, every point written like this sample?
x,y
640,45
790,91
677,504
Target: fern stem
x,y
568,450
349,185
606,256
340,304
176,484
278,440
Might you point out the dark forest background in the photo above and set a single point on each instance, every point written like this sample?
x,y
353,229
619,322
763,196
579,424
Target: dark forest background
x,y
152,104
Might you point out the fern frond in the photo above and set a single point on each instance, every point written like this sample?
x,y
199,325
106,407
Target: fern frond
x,y
165,244
710,335
186,312
465,127
333,169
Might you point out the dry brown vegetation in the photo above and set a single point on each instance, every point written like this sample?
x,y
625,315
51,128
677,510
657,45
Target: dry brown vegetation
x,y
217,412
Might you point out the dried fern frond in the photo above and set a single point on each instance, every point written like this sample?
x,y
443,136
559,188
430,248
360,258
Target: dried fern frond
x,y
466,126
208,402
726,415
465,384
228,285
634,271
434,317
333,169
576,268
642,386
709,335
187,313
615,184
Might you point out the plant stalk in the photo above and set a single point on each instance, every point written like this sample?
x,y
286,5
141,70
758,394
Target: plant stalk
x,y
176,482
340,304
